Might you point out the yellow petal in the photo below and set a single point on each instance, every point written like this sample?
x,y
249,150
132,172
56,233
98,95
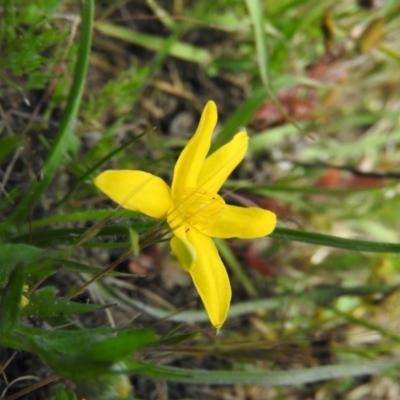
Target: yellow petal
x,y
210,278
191,159
137,191
241,222
219,165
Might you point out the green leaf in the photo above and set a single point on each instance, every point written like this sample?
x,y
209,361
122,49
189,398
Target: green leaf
x,y
11,254
69,338
43,304
118,347
87,356
10,305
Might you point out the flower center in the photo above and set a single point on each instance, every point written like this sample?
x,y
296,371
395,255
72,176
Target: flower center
x,y
199,208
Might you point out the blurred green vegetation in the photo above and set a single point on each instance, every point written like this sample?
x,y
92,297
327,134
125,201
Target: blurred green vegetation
x,y
89,290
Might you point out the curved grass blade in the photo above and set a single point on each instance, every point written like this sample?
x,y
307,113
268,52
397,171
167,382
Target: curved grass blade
x,y
256,14
57,152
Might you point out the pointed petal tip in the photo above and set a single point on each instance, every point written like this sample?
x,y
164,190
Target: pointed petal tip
x,y
210,278
192,158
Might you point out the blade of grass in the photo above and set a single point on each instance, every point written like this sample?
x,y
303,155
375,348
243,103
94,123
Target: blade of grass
x,y
262,377
80,216
256,15
271,137
162,14
257,18
56,155
334,241
269,190
389,51
240,118
180,50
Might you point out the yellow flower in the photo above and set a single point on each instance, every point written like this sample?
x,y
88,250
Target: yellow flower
x,y
194,210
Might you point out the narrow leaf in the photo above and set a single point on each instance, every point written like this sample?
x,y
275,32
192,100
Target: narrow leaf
x,y
11,254
180,50
10,305
334,241
262,377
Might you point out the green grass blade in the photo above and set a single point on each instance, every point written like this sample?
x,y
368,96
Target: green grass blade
x,y
180,50
79,216
256,15
65,131
334,241
263,377
42,304
236,267
240,118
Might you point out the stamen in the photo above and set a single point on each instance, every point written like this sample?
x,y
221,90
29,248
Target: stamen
x,y
198,208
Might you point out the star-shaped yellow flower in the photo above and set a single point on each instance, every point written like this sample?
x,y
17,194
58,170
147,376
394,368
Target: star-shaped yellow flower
x,y
194,210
